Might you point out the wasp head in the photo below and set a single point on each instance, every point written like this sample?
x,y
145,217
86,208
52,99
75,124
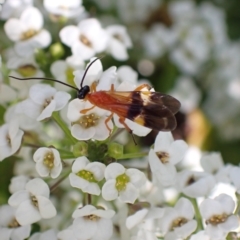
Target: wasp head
x,y
83,92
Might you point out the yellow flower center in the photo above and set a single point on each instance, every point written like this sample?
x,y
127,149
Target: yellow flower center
x,y
89,176
48,160
216,219
88,121
85,41
118,37
121,182
14,223
34,201
27,70
163,156
190,181
47,102
92,217
28,34
8,140
178,222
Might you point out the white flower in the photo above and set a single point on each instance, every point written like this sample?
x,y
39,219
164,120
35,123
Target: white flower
x,y
187,93
23,67
195,184
86,175
91,125
25,123
95,74
165,155
194,50
179,220
143,218
43,101
18,183
212,163
7,93
122,183
48,162
49,234
158,40
66,8
86,39
27,32
127,74
9,227
13,8
218,213
67,234
63,70
92,223
234,176
119,42
10,139
201,235
33,203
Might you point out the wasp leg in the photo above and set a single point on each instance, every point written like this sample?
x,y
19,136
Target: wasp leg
x,y
93,87
122,121
84,111
112,88
107,120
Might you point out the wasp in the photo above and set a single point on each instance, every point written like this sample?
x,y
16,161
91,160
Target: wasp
x,y
154,110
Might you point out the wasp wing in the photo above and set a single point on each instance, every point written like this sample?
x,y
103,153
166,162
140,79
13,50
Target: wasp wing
x,y
150,109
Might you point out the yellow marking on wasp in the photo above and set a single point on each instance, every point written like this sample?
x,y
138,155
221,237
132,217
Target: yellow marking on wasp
x,y
145,96
140,120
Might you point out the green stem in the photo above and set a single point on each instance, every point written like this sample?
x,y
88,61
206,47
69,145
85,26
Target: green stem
x,y
55,185
64,127
133,155
238,204
66,157
197,213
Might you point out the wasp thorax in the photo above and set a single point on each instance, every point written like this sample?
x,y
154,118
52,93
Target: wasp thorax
x,y
28,34
89,120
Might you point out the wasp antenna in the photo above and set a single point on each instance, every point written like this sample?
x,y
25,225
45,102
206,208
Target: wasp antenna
x,y
84,75
49,79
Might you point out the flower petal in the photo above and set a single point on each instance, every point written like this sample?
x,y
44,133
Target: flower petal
x,y
130,194
27,213
109,191
37,186
46,208
61,99
113,170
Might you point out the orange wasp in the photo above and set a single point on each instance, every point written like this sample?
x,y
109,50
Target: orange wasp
x,y
150,109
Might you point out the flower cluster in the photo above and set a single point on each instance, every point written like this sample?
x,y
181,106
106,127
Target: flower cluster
x,y
66,121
